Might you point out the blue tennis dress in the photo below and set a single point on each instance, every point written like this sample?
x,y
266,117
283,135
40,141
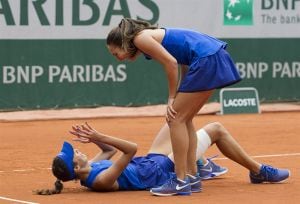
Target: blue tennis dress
x,y
140,174
210,65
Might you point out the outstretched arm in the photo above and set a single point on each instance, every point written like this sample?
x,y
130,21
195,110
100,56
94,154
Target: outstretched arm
x,y
106,181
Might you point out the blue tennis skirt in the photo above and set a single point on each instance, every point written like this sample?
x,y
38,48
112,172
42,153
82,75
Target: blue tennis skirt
x,y
153,170
211,72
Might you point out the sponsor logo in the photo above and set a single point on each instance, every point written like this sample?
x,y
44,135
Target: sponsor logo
x,y
208,170
193,183
74,13
178,188
238,12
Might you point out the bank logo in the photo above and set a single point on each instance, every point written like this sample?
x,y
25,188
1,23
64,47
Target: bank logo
x,y
238,12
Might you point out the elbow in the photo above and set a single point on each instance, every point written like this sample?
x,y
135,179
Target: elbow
x,y
135,148
171,67
170,63
173,63
131,149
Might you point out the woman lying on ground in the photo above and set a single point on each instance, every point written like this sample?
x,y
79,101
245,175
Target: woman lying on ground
x,y
151,171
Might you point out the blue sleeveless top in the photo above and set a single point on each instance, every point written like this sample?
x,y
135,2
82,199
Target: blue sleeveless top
x,y
128,180
141,173
210,65
187,45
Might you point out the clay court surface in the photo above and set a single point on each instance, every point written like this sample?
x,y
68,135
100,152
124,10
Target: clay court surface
x,y
27,149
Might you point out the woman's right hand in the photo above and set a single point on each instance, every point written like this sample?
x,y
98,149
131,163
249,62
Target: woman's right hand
x,y
85,133
170,111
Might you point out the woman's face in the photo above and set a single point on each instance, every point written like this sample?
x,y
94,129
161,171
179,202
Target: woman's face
x,y
118,52
80,158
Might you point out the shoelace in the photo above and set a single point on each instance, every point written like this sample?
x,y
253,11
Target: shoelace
x,y
212,157
269,171
209,159
170,181
212,163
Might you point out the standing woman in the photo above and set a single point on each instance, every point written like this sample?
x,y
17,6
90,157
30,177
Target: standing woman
x,y
205,66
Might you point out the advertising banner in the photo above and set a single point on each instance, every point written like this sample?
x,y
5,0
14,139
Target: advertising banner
x,y
53,52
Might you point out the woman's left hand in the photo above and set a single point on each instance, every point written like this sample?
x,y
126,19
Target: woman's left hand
x,y
170,111
85,133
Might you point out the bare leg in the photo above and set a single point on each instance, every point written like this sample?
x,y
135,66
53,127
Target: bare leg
x,y
162,144
229,147
192,168
219,136
182,131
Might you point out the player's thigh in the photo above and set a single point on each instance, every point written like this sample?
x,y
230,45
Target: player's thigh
x,y
162,142
187,105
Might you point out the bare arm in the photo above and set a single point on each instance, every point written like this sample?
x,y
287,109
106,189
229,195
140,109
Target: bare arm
x,y
107,152
184,69
106,181
147,44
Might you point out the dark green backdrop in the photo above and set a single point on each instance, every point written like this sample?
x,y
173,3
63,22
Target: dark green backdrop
x,y
140,83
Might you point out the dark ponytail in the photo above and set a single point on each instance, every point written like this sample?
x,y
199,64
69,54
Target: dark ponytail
x,y
61,172
58,188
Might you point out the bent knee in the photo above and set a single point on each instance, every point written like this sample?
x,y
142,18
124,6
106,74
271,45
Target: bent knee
x,y
217,126
215,130
180,119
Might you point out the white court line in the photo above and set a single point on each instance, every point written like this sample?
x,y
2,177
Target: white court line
x,y
21,170
265,156
18,201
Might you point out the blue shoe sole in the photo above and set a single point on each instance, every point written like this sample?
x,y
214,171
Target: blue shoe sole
x,y
197,191
171,194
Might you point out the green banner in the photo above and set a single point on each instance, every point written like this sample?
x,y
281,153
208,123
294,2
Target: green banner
x,y
74,73
40,74
53,52
272,66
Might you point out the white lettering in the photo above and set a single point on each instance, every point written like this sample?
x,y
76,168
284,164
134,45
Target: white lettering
x,y
296,69
240,102
110,74
53,71
78,71
250,70
285,69
121,71
242,69
65,75
36,72
97,73
21,73
8,74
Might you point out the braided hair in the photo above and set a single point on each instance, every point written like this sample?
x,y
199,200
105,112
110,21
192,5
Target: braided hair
x,y
122,36
58,188
61,172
